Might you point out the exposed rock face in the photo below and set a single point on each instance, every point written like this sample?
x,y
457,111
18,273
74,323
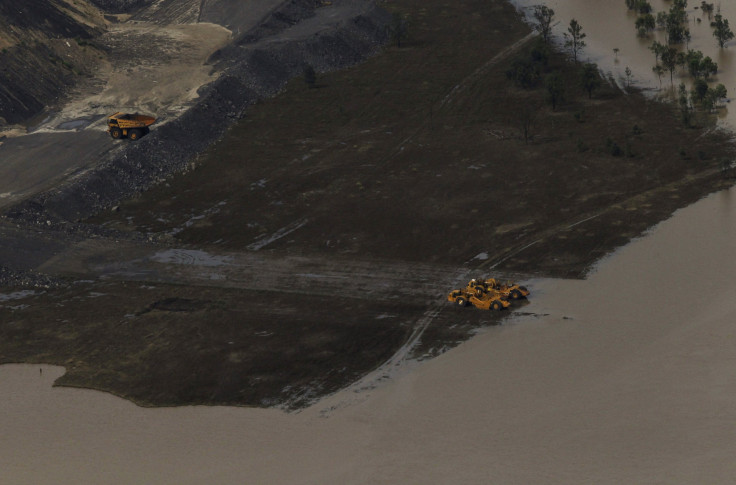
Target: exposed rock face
x,y
49,19
44,48
120,6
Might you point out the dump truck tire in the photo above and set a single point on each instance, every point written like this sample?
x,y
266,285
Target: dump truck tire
x,y
516,294
461,301
496,305
116,133
134,134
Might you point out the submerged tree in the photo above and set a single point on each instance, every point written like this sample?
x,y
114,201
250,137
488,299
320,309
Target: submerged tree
x,y
699,90
670,61
658,48
641,6
699,65
574,39
659,71
721,30
645,24
676,23
707,8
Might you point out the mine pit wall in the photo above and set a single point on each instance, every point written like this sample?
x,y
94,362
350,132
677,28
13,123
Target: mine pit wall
x,y
258,71
43,51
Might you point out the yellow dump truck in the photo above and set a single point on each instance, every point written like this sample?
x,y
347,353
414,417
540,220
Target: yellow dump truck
x,y
133,126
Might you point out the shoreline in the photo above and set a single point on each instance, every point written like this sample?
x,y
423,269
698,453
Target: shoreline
x,y
300,167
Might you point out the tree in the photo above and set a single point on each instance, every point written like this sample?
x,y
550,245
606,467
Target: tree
x,y
398,29
658,48
675,23
699,90
670,61
721,30
643,7
707,8
589,78
555,86
659,71
686,110
720,92
693,61
540,53
708,67
628,76
714,96
310,77
524,73
644,24
543,16
574,39
615,52
527,117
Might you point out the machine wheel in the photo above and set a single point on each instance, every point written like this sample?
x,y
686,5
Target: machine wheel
x,y
116,133
461,301
134,134
496,305
516,294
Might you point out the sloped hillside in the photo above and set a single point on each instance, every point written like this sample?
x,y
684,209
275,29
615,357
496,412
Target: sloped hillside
x,y
45,47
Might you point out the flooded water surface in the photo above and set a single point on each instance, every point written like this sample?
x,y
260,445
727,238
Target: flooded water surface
x,y
627,377
609,25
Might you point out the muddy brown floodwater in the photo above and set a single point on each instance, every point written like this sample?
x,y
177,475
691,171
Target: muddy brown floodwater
x,y
626,377
608,25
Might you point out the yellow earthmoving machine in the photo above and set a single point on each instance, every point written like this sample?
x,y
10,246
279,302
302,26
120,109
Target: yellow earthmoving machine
x,y
507,290
486,301
133,126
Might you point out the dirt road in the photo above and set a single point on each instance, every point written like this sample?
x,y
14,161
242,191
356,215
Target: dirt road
x,y
35,162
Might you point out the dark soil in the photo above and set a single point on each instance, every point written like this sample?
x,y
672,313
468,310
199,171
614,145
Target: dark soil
x,y
414,157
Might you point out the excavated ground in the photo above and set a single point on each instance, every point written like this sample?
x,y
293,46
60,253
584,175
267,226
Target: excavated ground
x,y
315,242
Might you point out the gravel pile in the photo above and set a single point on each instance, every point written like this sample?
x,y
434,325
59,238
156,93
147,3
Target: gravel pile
x,y
27,279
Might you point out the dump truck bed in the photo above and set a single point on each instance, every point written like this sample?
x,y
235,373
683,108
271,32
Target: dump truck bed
x,y
127,120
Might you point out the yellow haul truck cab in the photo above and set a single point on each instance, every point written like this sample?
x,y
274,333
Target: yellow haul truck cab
x,y
133,126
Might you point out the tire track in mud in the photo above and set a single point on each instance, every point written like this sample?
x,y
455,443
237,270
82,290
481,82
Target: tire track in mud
x,y
350,278
460,87
397,363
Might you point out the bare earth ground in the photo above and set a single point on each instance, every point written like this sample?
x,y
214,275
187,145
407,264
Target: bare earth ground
x,y
72,138
316,241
